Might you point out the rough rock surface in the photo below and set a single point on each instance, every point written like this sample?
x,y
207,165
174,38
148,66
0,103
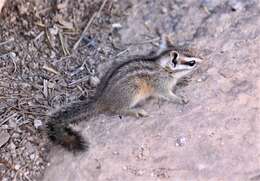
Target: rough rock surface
x,y
216,135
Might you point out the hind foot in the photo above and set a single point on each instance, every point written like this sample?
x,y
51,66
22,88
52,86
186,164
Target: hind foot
x,y
135,112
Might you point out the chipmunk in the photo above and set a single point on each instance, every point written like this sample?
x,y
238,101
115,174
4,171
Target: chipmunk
x,y
124,86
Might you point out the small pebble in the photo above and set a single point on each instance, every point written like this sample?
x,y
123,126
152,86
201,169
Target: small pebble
x,y
53,54
32,156
4,137
17,167
236,5
37,123
203,78
12,54
16,135
94,81
54,30
12,147
116,26
115,153
181,141
164,10
30,149
5,126
12,123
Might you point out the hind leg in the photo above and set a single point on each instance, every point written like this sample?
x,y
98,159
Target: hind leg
x,y
123,100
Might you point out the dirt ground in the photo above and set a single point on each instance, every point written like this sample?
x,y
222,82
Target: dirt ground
x,y
214,137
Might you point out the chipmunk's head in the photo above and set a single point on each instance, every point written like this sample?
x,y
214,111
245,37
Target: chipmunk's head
x,y
176,61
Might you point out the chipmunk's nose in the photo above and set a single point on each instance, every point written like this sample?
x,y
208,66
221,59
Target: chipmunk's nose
x,y
191,63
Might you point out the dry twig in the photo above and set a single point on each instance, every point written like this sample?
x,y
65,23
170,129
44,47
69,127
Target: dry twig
x,y
8,41
63,45
7,164
50,69
144,42
96,14
8,118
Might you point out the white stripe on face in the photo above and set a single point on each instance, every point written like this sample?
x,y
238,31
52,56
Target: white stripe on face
x,y
183,67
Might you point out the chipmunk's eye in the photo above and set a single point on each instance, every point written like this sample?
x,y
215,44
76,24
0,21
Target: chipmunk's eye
x,y
191,63
174,58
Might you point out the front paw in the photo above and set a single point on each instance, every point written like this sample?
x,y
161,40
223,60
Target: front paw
x,y
183,100
138,113
141,113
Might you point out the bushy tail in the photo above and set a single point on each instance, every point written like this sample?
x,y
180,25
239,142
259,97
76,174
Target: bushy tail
x,y
58,128
66,137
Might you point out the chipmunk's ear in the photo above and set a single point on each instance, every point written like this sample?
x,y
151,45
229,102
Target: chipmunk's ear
x,y
174,56
165,43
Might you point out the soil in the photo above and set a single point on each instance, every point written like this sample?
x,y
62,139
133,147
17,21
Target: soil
x,y
214,137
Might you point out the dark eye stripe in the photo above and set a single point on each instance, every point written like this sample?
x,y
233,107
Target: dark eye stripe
x,y
174,59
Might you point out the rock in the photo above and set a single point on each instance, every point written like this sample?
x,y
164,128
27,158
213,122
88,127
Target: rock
x,y
236,5
4,137
12,123
53,54
116,26
16,135
94,81
17,166
181,141
12,55
203,78
211,5
32,156
54,30
5,126
12,147
164,10
30,149
37,123
24,8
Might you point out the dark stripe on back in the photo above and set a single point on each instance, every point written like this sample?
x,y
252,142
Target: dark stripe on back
x,y
117,66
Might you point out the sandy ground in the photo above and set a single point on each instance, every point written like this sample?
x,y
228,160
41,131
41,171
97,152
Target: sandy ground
x,y
214,137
